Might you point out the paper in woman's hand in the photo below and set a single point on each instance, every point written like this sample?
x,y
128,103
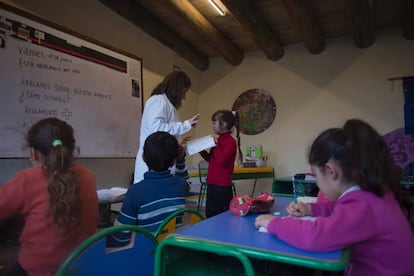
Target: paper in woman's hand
x,y
200,144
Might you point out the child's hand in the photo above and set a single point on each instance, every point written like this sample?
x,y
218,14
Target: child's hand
x,y
299,209
263,220
181,152
182,146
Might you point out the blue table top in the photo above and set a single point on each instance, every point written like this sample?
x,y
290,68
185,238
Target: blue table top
x,y
241,232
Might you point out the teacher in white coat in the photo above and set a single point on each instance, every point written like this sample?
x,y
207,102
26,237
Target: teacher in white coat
x,y
160,114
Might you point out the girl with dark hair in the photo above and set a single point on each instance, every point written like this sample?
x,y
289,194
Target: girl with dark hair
x,y
221,162
57,198
365,211
160,114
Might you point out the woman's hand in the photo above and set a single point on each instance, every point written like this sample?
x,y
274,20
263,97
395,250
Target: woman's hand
x,y
185,140
194,120
263,220
299,209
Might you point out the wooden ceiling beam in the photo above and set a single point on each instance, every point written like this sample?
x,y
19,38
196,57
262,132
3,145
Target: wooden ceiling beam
x,y
253,22
306,24
140,17
363,23
211,35
407,22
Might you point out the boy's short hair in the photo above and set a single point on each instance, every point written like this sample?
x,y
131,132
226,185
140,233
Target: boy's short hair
x,y
160,151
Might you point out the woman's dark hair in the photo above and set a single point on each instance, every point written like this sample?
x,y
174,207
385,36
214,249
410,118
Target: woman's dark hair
x,y
54,140
232,120
363,156
160,151
174,85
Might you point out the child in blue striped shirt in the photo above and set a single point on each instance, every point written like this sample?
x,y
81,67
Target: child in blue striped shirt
x,y
148,202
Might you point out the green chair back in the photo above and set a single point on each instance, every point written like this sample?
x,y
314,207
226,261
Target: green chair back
x,y
180,218
93,257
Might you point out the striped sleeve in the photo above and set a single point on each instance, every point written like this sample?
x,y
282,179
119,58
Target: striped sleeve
x,y
181,169
127,215
152,214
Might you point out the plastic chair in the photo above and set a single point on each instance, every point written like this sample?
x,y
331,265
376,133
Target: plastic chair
x,y
92,257
179,255
303,187
202,175
176,220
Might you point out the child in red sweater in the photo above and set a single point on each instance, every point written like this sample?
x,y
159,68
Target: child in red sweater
x,y
221,162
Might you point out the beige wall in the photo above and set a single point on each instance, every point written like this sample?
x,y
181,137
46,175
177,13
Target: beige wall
x,y
312,92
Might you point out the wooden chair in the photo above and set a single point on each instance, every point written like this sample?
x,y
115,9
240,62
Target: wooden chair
x,y
176,220
202,175
92,257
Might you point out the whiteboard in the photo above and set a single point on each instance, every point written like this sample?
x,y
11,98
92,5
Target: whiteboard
x,y
48,71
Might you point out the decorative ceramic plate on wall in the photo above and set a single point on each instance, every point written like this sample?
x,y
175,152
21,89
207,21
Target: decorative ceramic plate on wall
x,y
256,109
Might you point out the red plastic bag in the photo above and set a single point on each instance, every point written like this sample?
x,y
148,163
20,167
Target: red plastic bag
x,y
241,205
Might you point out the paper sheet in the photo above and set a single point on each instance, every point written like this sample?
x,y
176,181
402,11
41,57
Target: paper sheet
x,y
112,194
199,144
307,199
263,230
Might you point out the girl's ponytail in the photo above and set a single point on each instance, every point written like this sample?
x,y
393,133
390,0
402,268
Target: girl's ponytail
x,y
54,140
